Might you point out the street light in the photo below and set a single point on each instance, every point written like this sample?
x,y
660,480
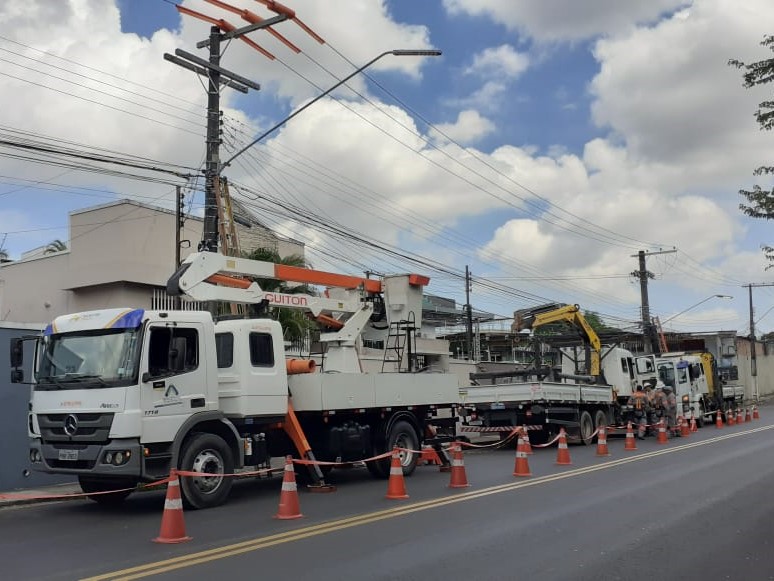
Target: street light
x,y
696,305
396,52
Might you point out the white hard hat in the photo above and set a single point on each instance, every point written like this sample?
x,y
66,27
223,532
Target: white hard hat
x,y
660,384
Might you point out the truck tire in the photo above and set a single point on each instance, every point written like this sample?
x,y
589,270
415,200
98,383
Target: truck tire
x,y
700,419
89,485
600,419
206,453
403,435
586,428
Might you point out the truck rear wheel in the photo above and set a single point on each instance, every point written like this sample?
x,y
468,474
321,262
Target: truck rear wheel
x,y
403,435
94,485
206,453
600,419
586,428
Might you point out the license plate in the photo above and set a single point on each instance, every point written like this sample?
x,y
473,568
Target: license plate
x,y
68,454
497,406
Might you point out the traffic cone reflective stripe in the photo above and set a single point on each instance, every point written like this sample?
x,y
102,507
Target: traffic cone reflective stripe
x,y
172,523
458,477
730,418
747,416
718,419
629,443
602,442
662,433
756,416
522,464
527,445
562,453
396,487
289,506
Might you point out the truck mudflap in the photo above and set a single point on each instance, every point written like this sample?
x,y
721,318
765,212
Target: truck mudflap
x,y
293,429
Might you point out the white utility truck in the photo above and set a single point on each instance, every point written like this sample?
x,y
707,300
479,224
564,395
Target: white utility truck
x,y
121,396
546,398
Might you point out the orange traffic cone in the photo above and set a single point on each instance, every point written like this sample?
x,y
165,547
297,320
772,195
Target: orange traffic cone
x,y
730,420
527,445
429,457
458,477
662,433
522,465
756,416
685,431
602,443
693,427
747,416
396,487
718,419
172,524
289,506
562,453
629,443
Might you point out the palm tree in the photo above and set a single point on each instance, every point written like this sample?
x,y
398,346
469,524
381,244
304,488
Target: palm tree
x,y
295,323
55,246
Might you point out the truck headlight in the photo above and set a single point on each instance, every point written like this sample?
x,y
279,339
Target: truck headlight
x,y
686,398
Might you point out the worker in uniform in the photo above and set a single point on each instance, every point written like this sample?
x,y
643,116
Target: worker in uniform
x,y
650,394
639,404
671,410
660,403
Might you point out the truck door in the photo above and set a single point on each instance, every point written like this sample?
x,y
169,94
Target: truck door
x,y
173,378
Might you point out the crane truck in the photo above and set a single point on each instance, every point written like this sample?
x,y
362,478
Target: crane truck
x,y
121,396
546,398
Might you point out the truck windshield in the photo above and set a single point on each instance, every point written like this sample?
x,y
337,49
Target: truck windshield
x,y
104,358
666,373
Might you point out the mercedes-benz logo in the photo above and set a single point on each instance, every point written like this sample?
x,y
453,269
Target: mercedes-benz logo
x,y
71,425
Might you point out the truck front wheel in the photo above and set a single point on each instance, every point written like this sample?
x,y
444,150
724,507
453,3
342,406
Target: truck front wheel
x,y
206,453
403,435
97,489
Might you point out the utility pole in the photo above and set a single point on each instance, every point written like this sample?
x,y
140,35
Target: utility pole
x,y
179,222
649,339
469,314
753,354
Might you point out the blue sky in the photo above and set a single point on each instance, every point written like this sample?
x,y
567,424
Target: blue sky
x,y
579,136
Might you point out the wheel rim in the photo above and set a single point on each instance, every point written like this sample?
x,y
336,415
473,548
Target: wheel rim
x,y
404,442
211,462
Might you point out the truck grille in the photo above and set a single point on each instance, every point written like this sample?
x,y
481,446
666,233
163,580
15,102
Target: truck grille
x,y
89,428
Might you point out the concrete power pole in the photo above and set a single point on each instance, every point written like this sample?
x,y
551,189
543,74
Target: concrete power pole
x,y
650,341
753,354
468,315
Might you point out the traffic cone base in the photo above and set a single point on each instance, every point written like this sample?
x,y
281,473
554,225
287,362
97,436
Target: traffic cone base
x,y
747,416
172,523
718,419
522,464
602,443
429,457
396,486
629,443
458,477
289,506
562,452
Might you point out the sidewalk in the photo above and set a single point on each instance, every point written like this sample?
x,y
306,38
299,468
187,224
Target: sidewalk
x,y
40,494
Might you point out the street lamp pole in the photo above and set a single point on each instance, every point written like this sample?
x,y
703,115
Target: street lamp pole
x,y
696,305
397,52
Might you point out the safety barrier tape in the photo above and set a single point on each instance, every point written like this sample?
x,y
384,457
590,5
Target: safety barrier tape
x,y
328,463
260,472
14,496
487,429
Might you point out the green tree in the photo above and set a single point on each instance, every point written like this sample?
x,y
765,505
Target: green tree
x,y
295,323
595,321
760,201
55,246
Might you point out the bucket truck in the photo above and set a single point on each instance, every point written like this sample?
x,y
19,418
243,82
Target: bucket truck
x,y
121,396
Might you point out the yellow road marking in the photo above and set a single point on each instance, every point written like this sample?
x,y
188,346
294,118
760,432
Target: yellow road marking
x,y
201,557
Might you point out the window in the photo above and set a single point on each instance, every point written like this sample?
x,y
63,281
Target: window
x,y
172,350
224,347
261,350
645,365
624,365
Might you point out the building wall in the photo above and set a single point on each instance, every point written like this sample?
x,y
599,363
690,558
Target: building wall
x,y
764,381
15,469
30,290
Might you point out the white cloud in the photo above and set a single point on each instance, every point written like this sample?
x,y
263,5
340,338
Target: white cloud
x,y
487,98
498,62
469,127
558,20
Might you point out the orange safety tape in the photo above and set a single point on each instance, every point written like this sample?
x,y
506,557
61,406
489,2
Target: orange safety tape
x,y
326,463
12,496
249,473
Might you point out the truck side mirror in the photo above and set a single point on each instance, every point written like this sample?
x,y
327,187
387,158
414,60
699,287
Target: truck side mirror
x,y
17,352
17,376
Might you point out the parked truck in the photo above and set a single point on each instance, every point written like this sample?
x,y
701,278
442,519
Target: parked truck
x,y
585,391
121,396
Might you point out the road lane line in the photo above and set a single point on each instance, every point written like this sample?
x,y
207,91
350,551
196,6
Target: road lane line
x,y
201,557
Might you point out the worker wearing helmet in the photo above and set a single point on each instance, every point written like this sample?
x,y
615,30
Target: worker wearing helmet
x,y
670,410
639,405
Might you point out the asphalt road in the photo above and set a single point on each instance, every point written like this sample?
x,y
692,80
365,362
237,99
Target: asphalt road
x,y
696,508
